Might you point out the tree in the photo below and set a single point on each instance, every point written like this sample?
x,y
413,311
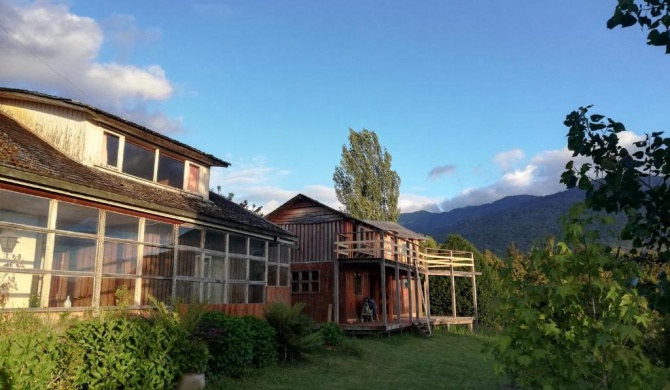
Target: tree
x,y
364,181
653,15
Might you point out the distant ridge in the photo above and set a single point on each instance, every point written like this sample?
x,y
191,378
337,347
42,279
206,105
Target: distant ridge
x,y
523,219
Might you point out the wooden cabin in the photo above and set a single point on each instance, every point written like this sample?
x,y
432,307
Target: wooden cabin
x,y
91,203
342,262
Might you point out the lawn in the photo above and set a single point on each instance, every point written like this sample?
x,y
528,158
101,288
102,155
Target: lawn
x,y
445,361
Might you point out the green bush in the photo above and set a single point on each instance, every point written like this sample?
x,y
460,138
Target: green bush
x,y
294,330
332,334
230,342
264,343
125,352
30,354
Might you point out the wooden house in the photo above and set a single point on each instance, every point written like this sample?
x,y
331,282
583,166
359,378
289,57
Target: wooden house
x,y
92,204
342,262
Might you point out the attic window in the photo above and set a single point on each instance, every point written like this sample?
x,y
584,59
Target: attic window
x,y
138,161
110,150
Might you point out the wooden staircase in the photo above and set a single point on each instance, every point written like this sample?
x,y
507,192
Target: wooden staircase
x,y
422,328
422,325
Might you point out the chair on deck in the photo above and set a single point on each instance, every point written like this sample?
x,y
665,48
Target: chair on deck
x,y
368,310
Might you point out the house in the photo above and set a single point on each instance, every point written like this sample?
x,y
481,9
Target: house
x,y
342,263
91,204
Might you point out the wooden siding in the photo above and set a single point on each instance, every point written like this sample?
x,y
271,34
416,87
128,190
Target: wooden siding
x,y
316,304
316,241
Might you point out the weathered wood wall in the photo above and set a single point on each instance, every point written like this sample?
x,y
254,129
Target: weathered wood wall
x,y
316,304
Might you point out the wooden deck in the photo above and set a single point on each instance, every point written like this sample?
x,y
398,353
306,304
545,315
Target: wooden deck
x,y
376,328
449,321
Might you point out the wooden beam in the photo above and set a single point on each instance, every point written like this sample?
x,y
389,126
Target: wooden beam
x,y
397,281
453,293
336,290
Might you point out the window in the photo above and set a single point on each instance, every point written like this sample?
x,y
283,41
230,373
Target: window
x,y
358,284
278,265
148,163
305,281
61,256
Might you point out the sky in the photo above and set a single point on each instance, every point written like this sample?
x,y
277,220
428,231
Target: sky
x,y
469,98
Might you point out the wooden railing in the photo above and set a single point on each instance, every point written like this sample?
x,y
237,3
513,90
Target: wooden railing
x,y
433,261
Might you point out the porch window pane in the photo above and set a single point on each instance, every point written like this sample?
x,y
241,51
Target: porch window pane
x,y
170,171
119,258
121,226
236,293
138,161
237,269
257,248
76,218
78,290
284,254
74,254
283,276
256,293
214,267
158,233
110,287
273,271
237,244
157,261
189,236
24,209
256,271
161,289
213,293
188,263
215,240
188,292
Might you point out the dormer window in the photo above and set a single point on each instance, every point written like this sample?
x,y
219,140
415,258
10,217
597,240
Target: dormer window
x,y
149,163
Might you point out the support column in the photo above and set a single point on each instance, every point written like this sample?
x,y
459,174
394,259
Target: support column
x,y
474,295
336,290
453,292
397,279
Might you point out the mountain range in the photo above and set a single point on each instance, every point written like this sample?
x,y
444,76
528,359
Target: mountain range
x,y
526,220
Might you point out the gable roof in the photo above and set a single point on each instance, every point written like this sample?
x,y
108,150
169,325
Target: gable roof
x,y
388,226
137,130
27,159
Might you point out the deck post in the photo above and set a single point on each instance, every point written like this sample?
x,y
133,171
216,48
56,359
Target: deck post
x,y
474,293
397,279
427,295
383,279
409,281
453,291
336,290
417,283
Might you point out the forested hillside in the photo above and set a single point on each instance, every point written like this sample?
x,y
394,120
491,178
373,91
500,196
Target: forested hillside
x,y
522,219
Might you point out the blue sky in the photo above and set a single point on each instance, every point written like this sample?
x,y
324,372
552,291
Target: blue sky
x,y
469,98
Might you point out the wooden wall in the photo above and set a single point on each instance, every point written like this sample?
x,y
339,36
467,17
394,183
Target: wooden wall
x,y
316,304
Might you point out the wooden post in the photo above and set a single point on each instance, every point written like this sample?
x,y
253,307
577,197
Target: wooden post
x,y
417,283
474,293
383,279
409,284
397,279
336,289
453,291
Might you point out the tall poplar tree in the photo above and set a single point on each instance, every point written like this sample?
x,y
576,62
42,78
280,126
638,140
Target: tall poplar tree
x,y
364,181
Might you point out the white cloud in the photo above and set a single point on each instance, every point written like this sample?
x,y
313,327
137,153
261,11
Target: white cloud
x,y
508,158
47,48
440,171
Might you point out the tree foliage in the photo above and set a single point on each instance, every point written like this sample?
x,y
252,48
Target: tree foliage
x,y
635,182
572,318
652,15
364,181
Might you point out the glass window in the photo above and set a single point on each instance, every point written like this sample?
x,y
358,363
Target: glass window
x,y
71,291
74,254
189,236
215,240
257,247
237,269
161,289
158,233
256,270
213,267
283,276
110,150
237,244
256,293
119,258
170,171
305,282
236,293
109,287
188,263
213,293
188,292
121,226
358,284
193,178
284,254
157,261
273,272
76,218
138,161
24,209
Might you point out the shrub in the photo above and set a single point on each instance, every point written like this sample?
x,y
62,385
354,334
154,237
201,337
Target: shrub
x,y
332,334
30,353
230,344
294,330
264,343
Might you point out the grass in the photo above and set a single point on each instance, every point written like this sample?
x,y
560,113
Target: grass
x,y
446,361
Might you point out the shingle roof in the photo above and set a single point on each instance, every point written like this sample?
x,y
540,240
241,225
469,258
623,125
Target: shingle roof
x,y
26,157
396,228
